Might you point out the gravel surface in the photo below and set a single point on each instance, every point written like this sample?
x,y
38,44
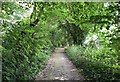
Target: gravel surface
x,y
59,67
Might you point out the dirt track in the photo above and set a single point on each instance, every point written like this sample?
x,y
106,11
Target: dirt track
x,y
59,67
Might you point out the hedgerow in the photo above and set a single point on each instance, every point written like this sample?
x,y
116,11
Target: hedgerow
x,y
95,64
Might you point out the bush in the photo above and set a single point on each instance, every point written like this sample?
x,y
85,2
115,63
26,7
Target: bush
x,y
23,54
96,64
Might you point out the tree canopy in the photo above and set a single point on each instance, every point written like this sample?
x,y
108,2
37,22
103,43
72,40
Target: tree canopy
x,y
31,30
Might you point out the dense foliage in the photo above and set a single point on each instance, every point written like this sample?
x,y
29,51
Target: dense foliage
x,y
24,52
26,46
31,30
98,56
96,64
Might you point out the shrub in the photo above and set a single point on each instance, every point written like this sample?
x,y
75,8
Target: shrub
x,y
96,64
23,55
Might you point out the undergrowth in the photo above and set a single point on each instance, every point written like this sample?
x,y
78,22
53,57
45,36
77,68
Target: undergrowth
x,y
96,64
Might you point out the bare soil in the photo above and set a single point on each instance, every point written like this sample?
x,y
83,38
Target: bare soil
x,y
59,67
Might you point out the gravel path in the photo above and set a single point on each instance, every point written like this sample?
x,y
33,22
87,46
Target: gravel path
x,y
59,67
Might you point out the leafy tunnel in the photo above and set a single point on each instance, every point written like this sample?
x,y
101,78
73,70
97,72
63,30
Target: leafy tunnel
x,y
30,31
